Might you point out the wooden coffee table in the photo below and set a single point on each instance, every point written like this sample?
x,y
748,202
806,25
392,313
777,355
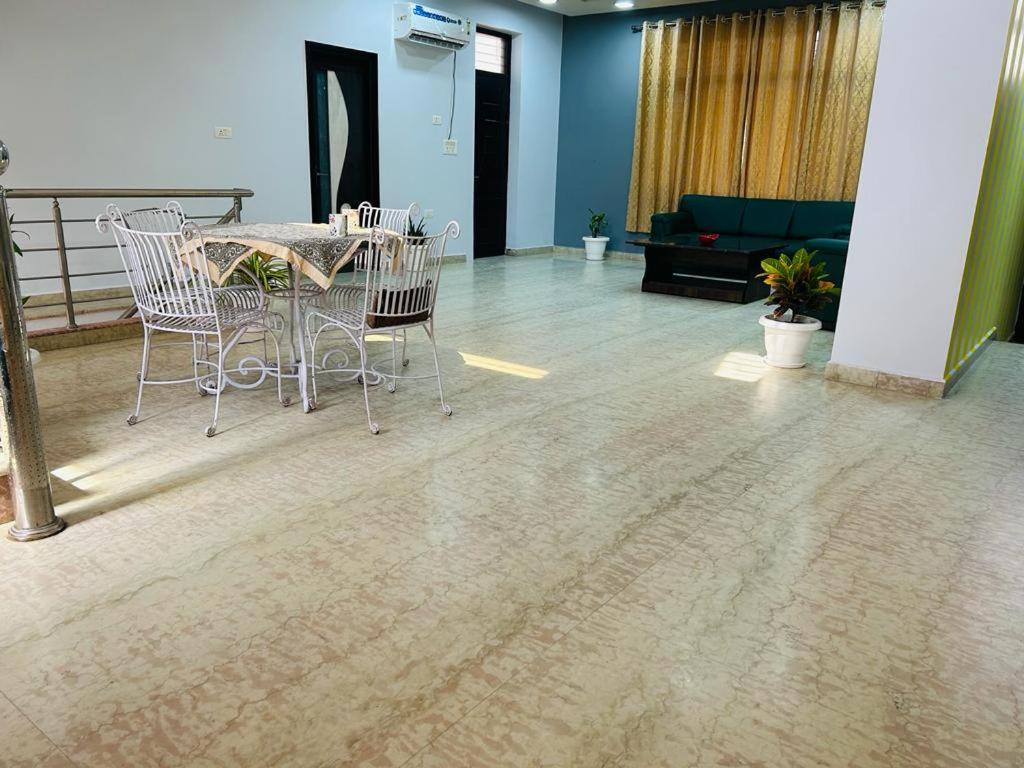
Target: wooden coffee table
x,y
725,271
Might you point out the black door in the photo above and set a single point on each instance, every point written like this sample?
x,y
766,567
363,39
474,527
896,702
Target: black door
x,y
490,193
343,141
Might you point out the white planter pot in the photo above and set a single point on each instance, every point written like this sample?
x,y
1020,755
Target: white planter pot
x,y
594,246
786,343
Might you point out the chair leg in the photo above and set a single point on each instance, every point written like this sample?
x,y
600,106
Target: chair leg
x,y
429,328
212,429
374,427
312,339
393,382
285,401
134,418
405,338
196,346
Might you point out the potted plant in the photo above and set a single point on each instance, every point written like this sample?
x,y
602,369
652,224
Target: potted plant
x,y
596,243
417,229
797,284
263,271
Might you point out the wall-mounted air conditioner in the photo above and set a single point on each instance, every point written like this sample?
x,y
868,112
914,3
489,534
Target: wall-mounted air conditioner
x,y
419,24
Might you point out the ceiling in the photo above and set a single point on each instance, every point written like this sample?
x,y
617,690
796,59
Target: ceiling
x,y
582,7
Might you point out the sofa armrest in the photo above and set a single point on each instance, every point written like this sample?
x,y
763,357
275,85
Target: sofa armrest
x,y
668,224
828,245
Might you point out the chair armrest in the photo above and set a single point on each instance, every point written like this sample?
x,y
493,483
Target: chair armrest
x,y
667,224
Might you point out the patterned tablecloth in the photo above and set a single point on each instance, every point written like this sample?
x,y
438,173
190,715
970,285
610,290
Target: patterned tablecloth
x,y
307,247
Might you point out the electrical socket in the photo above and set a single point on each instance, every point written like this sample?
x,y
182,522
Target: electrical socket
x,y
429,213
450,147
222,132
436,120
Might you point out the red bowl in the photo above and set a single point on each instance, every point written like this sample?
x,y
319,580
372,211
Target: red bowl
x,y
708,238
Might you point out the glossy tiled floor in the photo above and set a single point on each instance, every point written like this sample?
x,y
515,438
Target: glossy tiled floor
x,y
631,546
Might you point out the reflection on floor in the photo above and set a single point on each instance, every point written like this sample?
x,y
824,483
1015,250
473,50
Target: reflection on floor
x,y
632,545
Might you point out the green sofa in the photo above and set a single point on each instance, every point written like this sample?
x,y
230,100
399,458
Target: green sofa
x,y
817,225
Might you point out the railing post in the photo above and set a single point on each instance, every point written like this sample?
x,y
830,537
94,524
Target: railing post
x,y
62,254
34,517
236,209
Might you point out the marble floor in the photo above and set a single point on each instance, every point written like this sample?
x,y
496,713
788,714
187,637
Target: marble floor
x,y
631,546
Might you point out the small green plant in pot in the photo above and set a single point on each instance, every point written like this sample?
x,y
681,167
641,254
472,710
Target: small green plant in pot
x,y
797,284
596,244
418,228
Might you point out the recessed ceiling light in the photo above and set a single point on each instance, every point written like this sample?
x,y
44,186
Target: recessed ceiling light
x,y
624,4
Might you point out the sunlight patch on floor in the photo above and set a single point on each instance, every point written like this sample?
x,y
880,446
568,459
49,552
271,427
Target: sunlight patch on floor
x,y
742,366
76,476
503,366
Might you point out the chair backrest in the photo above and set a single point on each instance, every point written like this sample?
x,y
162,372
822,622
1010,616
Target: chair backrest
x,y
392,219
164,258
402,276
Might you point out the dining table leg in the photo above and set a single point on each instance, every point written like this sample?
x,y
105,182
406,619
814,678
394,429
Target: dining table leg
x,y
299,342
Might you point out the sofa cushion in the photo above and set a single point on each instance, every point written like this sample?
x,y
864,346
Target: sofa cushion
x,y
715,214
769,218
819,218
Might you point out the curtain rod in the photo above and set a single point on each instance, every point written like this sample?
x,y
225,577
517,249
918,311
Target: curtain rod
x,y
771,12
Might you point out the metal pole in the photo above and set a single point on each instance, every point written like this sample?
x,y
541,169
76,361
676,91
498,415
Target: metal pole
x,y
62,253
34,517
236,209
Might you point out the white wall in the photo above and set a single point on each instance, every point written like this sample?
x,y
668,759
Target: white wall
x,y
127,93
935,93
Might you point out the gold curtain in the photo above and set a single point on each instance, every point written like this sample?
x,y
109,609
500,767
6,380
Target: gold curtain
x,y
761,104
665,93
842,83
719,84
785,59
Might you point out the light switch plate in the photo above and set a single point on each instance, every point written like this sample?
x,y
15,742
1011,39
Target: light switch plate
x,y
429,213
222,132
451,147
436,120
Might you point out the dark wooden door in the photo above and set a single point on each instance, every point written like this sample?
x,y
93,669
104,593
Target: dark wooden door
x,y
490,187
343,128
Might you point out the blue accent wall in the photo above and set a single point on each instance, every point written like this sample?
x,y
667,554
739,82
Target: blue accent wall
x,y
600,67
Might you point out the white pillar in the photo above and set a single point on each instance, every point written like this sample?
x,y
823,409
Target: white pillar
x,y
935,91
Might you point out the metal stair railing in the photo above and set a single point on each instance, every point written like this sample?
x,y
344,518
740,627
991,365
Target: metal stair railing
x,y
64,251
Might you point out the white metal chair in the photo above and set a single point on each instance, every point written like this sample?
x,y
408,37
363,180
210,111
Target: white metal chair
x,y
396,220
399,294
165,260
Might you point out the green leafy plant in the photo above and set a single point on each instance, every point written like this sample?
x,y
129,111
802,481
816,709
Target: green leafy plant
x,y
17,248
259,269
797,284
598,223
419,229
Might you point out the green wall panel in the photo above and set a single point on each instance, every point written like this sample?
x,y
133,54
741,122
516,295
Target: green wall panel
x,y
994,271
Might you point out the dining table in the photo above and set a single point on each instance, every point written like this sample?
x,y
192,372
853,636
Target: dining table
x,y
311,252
